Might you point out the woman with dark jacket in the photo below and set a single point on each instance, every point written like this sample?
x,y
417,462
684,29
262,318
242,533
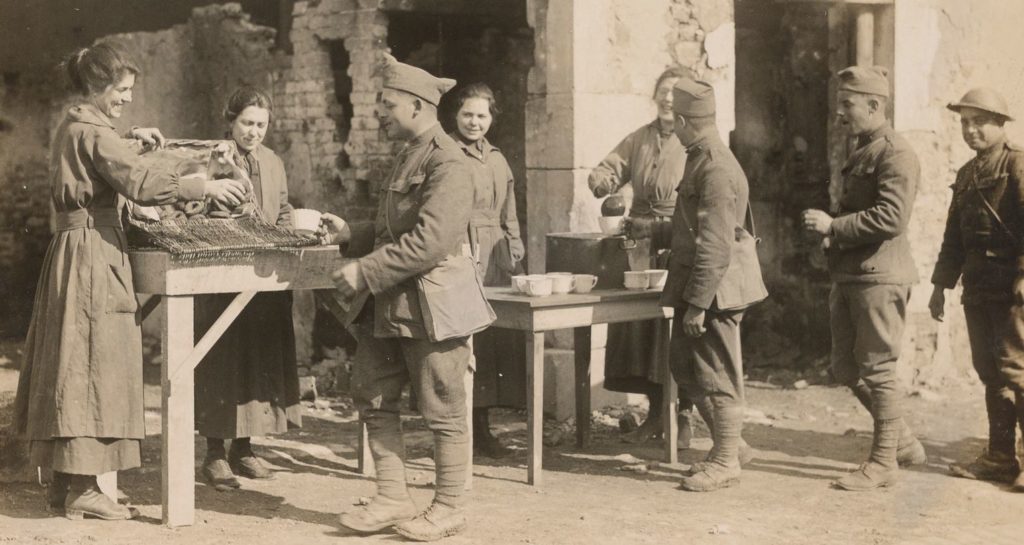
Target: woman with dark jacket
x,y
248,385
79,400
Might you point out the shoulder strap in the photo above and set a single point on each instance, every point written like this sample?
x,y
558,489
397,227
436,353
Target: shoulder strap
x,y
972,182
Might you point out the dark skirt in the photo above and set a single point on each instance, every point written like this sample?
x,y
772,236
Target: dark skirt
x,y
500,376
248,385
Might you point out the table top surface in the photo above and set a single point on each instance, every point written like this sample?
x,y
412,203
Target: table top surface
x,y
508,295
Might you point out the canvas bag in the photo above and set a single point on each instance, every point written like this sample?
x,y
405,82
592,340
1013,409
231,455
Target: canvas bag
x,y
451,295
751,289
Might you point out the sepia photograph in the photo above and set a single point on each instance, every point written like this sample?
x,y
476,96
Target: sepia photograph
x,y
511,272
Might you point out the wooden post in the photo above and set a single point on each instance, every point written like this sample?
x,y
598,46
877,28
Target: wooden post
x,y
178,439
535,405
582,348
865,40
670,401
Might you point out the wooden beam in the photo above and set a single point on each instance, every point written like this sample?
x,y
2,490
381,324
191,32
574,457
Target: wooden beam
x,y
508,11
178,419
215,332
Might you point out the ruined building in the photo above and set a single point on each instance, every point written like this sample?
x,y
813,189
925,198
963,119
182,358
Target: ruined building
x,y
573,77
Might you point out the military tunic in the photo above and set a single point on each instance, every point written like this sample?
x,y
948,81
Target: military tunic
x,y
499,379
705,269
988,258
653,163
871,266
79,398
423,217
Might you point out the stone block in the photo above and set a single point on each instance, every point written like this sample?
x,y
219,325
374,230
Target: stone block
x,y
549,131
549,201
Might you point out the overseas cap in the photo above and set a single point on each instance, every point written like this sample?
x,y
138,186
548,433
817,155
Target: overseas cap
x,y
403,77
868,80
983,98
693,98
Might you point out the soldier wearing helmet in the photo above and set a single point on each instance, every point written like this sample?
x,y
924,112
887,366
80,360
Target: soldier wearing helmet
x,y
982,246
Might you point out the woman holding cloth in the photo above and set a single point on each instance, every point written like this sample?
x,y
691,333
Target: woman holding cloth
x,y
79,399
248,384
652,160
500,376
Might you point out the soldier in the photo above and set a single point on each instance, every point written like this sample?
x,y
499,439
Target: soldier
x,y
982,243
713,277
420,230
872,270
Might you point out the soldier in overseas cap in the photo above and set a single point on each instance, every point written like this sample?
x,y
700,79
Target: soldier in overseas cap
x,y
714,276
419,232
872,270
982,246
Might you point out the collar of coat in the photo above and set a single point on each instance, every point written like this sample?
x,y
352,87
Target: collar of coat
x,y
884,131
87,113
478,150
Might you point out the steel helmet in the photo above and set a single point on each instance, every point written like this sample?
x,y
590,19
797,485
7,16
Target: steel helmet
x,y
983,98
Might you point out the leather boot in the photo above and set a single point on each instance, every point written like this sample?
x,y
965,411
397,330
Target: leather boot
x,y
84,499
382,512
881,468
706,410
244,462
723,470
218,473
57,492
998,462
437,522
910,451
392,503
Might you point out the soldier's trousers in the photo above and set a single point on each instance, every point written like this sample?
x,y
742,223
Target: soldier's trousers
x,y
711,364
996,334
867,322
381,368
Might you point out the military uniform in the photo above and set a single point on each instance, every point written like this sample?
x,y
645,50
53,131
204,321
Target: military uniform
x,y
872,272
713,267
986,253
421,226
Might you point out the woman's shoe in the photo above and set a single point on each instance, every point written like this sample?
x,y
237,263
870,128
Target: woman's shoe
x,y
84,499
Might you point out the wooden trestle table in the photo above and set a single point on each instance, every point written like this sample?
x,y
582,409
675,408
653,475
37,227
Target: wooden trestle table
x,y
537,315
176,283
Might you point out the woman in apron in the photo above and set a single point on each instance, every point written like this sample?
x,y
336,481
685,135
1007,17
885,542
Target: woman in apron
x,y
79,400
248,384
652,160
500,376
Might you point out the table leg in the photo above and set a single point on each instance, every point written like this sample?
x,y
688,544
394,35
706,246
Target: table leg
x,y
534,404
582,349
365,457
670,402
178,421
467,382
107,483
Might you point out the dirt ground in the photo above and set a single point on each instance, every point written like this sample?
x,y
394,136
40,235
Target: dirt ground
x,y
805,438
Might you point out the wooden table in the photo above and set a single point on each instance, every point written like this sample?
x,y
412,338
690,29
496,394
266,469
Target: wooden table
x,y
177,283
536,315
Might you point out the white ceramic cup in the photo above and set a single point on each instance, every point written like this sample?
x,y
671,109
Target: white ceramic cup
x,y
656,278
636,280
611,225
306,220
584,283
519,283
561,282
538,285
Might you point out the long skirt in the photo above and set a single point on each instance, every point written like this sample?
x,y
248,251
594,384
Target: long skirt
x,y
248,384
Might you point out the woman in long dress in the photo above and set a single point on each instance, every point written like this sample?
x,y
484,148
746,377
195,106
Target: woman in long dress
x,y
79,399
248,384
500,376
